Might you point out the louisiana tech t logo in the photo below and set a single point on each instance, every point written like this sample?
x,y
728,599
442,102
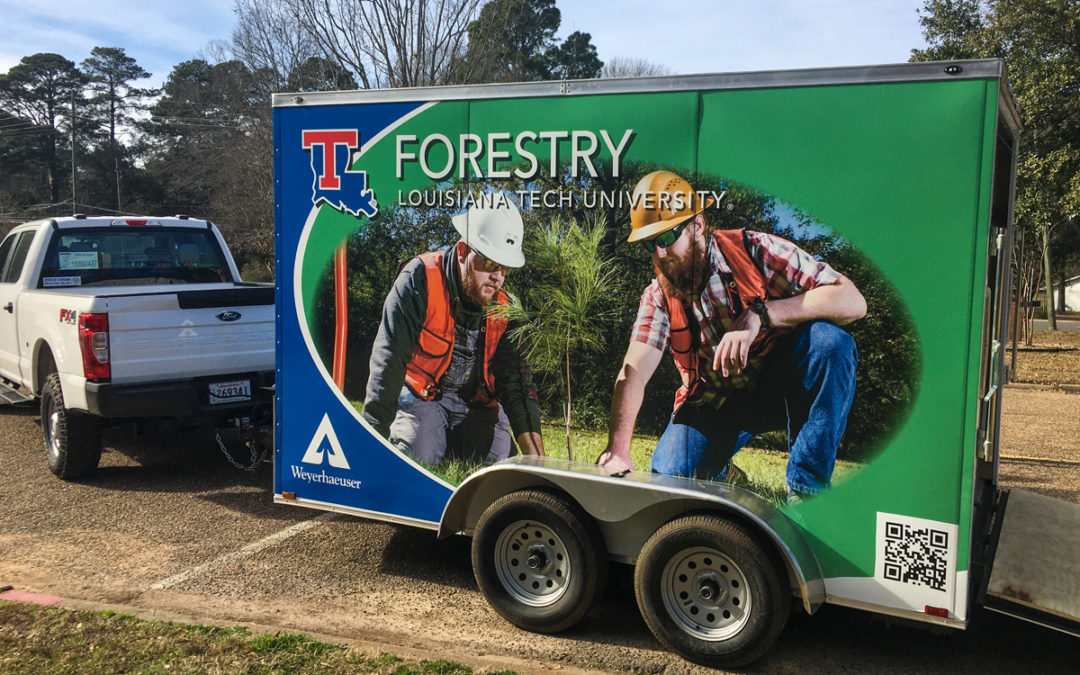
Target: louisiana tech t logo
x,y
335,184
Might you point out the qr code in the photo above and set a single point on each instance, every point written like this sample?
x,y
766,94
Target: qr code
x,y
916,555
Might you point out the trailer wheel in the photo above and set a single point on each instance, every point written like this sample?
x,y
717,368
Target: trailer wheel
x,y
710,591
72,438
538,560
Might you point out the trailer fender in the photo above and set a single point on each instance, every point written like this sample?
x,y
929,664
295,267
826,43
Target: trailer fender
x,y
629,508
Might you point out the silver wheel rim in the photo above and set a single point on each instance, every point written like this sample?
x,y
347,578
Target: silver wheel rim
x,y
532,563
706,593
51,428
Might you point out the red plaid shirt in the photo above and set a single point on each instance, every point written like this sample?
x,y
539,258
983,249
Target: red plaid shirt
x,y
788,271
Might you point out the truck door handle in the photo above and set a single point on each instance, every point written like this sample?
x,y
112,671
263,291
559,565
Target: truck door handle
x,y
10,308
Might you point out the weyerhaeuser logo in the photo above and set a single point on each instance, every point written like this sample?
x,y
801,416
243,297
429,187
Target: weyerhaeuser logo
x,y
300,473
324,447
334,182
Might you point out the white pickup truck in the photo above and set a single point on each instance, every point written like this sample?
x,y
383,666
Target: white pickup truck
x,y
128,318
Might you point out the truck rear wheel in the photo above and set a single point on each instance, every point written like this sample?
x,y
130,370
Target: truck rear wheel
x,y
72,437
710,591
538,560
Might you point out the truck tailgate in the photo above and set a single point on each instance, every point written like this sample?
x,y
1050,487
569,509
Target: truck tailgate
x,y
1036,568
180,335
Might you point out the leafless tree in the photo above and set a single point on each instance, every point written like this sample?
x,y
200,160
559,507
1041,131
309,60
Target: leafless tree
x,y
269,40
628,66
388,43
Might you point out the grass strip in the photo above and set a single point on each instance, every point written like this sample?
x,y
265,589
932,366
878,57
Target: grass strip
x,y
37,639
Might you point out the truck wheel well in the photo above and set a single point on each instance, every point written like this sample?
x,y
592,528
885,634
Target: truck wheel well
x,y
45,365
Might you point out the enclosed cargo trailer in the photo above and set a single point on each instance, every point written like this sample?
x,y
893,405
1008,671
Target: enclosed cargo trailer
x,y
898,179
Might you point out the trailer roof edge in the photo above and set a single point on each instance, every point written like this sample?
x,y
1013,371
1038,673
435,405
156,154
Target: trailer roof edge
x,y
900,72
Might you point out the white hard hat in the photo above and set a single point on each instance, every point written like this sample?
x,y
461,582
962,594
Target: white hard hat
x,y
495,231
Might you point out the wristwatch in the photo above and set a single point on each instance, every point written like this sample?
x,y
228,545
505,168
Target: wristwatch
x,y
757,305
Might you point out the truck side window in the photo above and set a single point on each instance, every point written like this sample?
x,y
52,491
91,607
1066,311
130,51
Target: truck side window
x,y
5,253
13,268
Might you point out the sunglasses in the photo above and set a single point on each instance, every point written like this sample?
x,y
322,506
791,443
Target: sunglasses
x,y
488,265
667,238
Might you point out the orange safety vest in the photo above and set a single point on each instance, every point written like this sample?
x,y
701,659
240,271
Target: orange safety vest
x,y
748,283
435,347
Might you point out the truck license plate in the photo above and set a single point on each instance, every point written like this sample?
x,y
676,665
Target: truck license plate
x,y
230,392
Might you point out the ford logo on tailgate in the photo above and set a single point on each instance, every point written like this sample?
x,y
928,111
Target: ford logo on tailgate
x,y
229,316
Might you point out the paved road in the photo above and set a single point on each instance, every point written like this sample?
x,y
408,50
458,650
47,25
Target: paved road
x,y
169,524
1062,324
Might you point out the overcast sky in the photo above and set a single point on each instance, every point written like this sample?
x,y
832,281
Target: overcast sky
x,y
690,36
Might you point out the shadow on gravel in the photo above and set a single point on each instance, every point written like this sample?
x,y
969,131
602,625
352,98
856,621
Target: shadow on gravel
x,y
184,460
29,409
419,554
864,642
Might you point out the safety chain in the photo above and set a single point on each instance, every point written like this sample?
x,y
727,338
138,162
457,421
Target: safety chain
x,y
249,433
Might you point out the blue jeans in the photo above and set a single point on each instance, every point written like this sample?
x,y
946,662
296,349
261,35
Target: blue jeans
x,y
805,388
427,429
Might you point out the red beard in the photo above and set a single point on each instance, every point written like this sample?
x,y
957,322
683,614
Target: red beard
x,y
684,278
472,289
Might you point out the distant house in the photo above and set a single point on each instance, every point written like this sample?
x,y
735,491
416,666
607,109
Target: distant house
x,y
1072,294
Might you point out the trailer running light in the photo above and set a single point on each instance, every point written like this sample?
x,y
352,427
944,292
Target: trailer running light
x,y
94,343
937,611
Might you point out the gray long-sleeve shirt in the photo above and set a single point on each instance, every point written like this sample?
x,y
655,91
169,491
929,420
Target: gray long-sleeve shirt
x,y
399,331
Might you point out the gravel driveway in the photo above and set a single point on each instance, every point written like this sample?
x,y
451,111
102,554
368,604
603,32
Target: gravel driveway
x,y
167,524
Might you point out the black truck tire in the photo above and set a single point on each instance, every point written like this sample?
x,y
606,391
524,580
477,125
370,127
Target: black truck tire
x,y
539,560
72,437
711,592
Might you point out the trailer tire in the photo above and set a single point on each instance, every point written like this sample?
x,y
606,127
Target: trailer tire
x,y
539,560
72,437
710,591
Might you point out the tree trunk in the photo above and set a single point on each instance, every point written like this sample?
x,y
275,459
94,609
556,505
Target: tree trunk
x,y
1051,316
1061,292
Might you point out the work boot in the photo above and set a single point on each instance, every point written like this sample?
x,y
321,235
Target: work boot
x,y
733,474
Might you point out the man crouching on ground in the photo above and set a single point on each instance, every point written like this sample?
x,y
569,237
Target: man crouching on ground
x,y
753,325
440,367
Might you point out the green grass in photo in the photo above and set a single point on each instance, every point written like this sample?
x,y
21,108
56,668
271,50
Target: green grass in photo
x,y
764,469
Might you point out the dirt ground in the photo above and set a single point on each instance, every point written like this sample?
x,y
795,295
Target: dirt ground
x,y
1040,442
1052,358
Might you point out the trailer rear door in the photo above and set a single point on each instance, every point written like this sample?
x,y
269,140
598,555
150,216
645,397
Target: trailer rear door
x,y
1035,574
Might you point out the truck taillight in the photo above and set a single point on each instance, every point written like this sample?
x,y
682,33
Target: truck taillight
x,y
94,343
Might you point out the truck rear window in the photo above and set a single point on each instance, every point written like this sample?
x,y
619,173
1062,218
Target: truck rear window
x,y
128,256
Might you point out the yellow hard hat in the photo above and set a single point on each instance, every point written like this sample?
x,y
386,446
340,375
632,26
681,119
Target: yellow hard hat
x,y
662,200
